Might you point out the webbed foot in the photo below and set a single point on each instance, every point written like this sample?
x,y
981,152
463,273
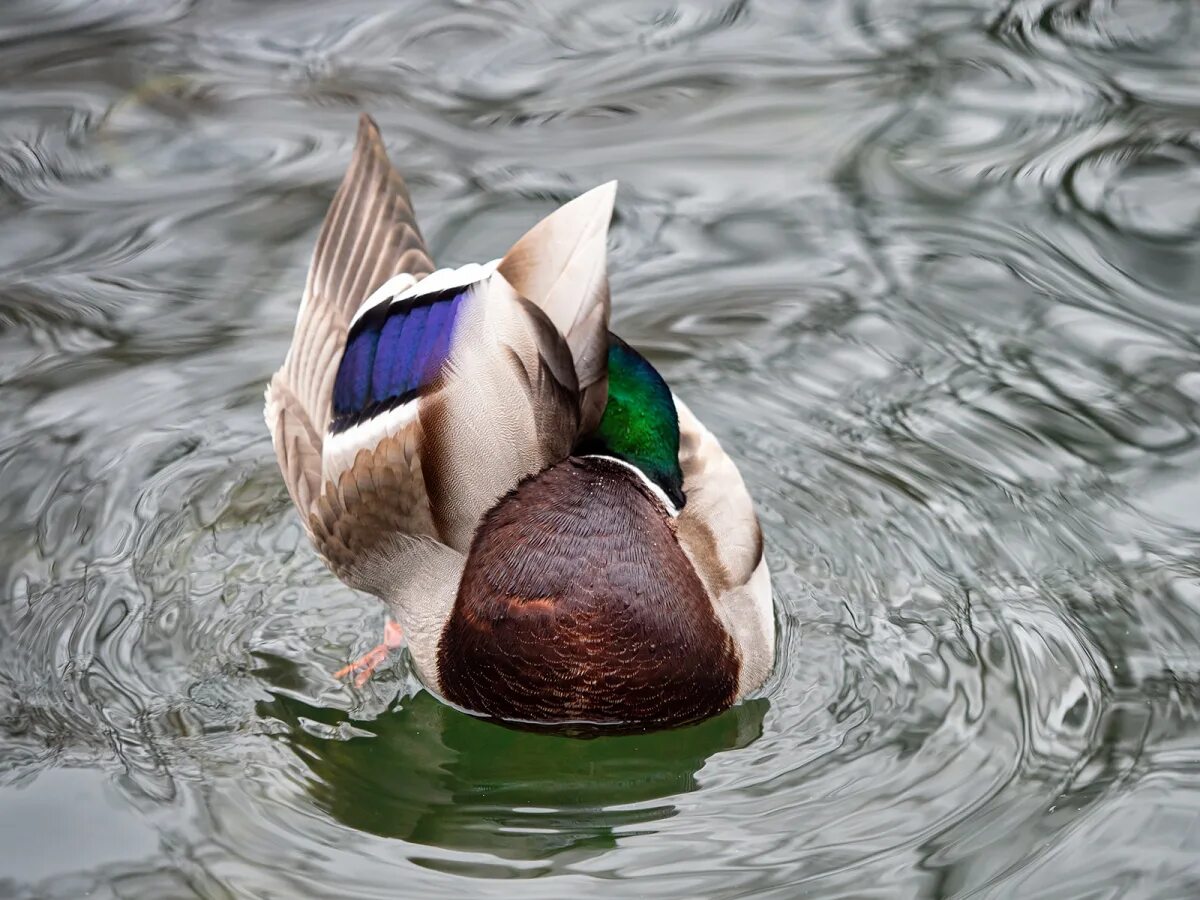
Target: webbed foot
x,y
366,664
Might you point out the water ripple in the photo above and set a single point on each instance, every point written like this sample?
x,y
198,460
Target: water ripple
x,y
928,270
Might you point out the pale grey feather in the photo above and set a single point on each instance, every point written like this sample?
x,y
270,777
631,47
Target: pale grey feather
x,y
507,407
561,264
719,531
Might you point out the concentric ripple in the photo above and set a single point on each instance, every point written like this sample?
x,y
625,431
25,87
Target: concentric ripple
x,y
929,271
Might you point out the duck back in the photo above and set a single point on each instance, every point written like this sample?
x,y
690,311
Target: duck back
x,y
578,604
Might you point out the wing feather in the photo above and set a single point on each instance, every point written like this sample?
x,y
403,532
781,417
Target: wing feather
x,y
507,407
392,491
433,423
370,234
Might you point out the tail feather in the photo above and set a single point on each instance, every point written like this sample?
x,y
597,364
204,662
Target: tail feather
x,y
561,264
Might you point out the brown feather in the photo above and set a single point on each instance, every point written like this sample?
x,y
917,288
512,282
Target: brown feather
x,y
370,234
379,496
578,604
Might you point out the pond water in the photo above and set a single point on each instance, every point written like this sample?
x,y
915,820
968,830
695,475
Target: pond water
x,y
931,270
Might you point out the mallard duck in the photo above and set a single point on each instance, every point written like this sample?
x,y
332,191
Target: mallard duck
x,y
556,537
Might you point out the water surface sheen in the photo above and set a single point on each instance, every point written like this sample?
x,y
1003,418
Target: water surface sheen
x,y
930,270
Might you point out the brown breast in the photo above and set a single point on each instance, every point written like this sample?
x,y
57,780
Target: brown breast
x,y
578,604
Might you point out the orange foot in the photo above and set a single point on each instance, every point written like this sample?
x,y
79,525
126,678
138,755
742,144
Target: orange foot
x,y
366,664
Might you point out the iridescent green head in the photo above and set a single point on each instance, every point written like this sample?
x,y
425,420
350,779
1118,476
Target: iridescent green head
x,y
640,425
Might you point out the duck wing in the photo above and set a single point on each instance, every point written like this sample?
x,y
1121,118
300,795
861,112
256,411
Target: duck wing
x,y
369,236
407,407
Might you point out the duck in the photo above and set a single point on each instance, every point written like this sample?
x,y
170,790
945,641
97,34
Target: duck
x,y
556,537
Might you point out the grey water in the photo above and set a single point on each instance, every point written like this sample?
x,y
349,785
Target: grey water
x,y
930,270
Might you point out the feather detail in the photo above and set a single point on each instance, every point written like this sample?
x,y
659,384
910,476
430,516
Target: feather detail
x,y
370,235
505,406
719,532
561,264
297,445
382,494
397,290
717,499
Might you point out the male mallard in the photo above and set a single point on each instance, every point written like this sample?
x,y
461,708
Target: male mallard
x,y
554,533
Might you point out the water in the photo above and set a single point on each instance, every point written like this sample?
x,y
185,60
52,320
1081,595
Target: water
x,y
930,270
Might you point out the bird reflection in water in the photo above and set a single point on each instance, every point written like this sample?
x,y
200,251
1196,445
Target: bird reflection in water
x,y
426,773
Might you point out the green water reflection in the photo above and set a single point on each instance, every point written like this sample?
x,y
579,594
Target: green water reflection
x,y
426,773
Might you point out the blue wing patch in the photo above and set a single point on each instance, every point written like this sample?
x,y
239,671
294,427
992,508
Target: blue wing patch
x,y
393,351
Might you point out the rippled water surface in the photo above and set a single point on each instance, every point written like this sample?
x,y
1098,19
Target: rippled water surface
x,y
930,269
